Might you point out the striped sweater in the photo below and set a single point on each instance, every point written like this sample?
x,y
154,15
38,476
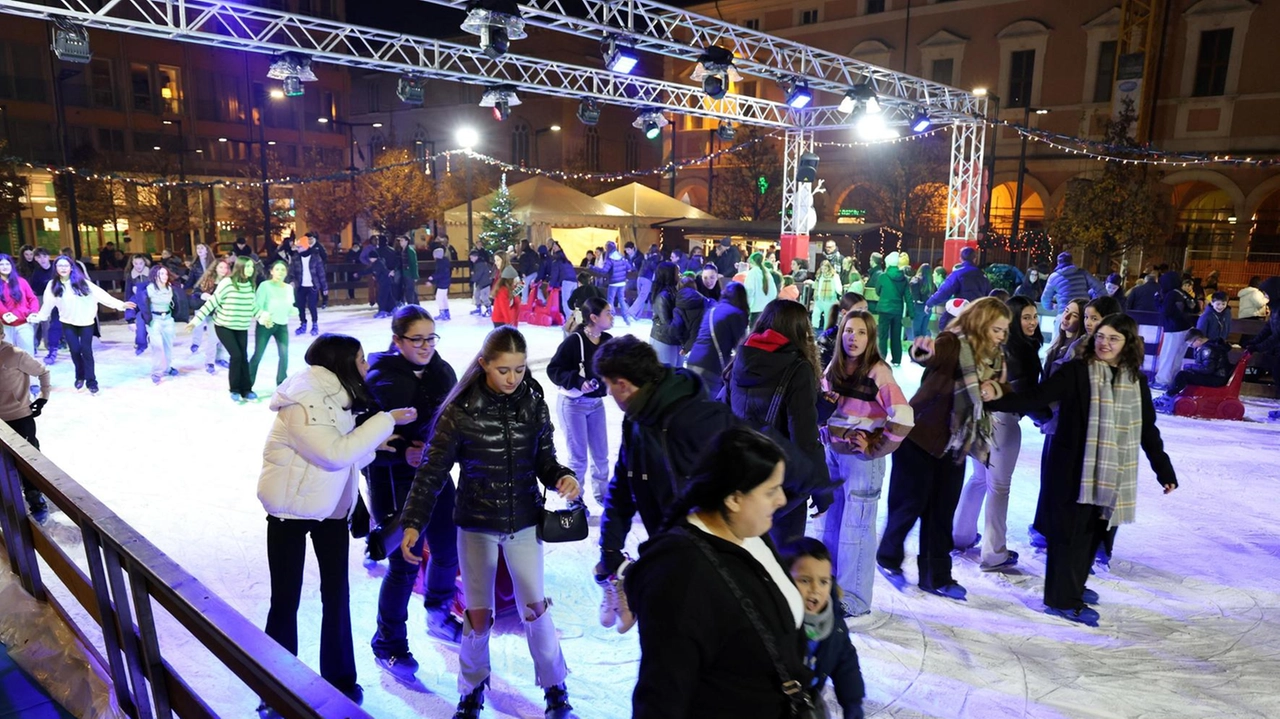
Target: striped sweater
x,y
874,403
232,305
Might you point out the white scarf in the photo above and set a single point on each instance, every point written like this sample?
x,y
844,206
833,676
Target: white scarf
x,y
1114,431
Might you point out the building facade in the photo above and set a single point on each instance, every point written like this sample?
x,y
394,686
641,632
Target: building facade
x,y
162,109
1216,93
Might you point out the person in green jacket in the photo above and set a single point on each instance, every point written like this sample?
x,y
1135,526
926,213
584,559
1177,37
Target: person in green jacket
x,y
409,277
273,307
232,310
891,284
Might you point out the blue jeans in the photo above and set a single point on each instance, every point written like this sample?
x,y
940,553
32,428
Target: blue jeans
x,y
618,299
849,526
387,494
566,288
668,355
529,279
584,429
920,325
642,303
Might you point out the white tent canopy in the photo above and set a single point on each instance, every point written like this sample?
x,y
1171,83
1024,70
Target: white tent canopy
x,y
551,210
647,207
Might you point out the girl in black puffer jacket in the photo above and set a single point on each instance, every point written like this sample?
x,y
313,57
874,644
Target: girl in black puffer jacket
x,y
496,426
665,335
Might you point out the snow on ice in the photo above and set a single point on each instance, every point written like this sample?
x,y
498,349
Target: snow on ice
x,y
1190,625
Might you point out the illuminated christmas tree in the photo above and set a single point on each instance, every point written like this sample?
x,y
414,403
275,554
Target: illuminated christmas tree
x,y
500,228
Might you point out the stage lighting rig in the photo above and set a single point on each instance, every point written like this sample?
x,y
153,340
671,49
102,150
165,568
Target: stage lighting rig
x,y
501,98
411,90
619,55
651,122
71,42
589,112
497,23
715,70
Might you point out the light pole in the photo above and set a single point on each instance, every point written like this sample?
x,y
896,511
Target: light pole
x,y
536,145
468,138
351,142
182,175
1022,167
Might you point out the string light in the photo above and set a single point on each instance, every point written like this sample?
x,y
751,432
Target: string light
x,y
1128,155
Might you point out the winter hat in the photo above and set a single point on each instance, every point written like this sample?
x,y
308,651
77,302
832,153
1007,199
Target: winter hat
x,y
903,260
438,253
891,260
956,305
1114,279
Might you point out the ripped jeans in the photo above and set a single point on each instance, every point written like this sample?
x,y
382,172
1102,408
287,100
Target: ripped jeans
x,y
522,552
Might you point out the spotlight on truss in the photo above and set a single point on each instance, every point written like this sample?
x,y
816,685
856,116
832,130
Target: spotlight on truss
x,y
619,55
501,98
867,95
71,42
588,112
651,122
496,22
715,69
411,90
921,122
291,64
808,168
291,86
799,96
726,131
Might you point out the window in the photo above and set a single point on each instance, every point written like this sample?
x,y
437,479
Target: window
x,y
287,154
520,144
377,144
170,89
140,87
110,140
751,23
420,146
21,72
230,98
1212,61
592,149
943,70
747,88
875,6
102,85
633,153
809,17
373,87
1022,67
1105,77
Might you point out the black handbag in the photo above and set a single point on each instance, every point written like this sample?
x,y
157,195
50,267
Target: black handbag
x,y
562,525
385,539
798,698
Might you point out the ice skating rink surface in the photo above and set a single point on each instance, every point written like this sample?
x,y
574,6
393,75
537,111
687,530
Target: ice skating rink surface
x,y
1190,609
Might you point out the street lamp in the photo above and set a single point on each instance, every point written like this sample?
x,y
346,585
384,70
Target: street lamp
x,y
1022,167
468,138
536,135
991,156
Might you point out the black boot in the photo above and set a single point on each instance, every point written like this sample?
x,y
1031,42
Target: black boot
x,y
470,706
558,706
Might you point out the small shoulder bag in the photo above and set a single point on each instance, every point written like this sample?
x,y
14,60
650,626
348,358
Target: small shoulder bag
x,y
562,525
576,392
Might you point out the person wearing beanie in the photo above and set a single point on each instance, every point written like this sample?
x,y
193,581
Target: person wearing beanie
x,y
1067,283
1115,287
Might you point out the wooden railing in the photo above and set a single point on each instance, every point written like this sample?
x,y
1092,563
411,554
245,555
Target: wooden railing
x,y
126,575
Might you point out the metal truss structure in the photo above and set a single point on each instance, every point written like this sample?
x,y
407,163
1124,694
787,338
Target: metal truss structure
x,y
650,25
798,142
964,196
664,30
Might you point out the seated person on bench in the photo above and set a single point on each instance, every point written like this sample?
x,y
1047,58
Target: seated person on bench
x,y
1212,366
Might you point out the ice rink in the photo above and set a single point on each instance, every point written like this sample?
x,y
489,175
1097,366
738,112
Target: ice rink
x,y
1190,610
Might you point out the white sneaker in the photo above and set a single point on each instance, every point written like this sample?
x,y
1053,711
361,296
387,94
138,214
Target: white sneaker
x,y
626,619
608,603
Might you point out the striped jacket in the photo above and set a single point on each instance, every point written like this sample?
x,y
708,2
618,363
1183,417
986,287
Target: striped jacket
x,y
232,305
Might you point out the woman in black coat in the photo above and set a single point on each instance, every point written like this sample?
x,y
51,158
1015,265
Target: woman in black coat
x,y
1079,463
690,308
496,427
411,374
664,335
723,327
782,341
700,655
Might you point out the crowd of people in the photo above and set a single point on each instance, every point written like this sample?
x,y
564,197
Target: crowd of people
x,y
761,418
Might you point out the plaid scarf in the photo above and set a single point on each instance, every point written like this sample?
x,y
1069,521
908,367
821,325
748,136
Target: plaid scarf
x,y
970,425
1110,476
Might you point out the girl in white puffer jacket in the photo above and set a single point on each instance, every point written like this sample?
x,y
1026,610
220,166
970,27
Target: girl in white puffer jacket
x,y
310,470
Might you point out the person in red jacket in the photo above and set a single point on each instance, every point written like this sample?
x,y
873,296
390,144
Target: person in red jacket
x,y
17,303
506,303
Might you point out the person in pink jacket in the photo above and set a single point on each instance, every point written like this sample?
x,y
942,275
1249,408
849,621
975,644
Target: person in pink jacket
x,y
17,303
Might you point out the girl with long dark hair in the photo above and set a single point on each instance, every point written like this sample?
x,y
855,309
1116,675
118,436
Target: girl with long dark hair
x,y
921,289
723,327
664,335
411,373
136,278
962,368
760,284
232,308
308,486
826,341
76,299
987,489
780,356
700,653
870,419
160,304
17,304
496,426
581,401
1105,416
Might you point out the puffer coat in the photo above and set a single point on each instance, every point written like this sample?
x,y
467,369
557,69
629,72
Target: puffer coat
x,y
314,452
504,446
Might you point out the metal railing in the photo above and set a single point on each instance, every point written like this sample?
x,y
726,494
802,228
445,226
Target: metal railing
x,y
126,575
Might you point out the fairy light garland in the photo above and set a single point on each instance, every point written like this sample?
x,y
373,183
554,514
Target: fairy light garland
x,y
1129,155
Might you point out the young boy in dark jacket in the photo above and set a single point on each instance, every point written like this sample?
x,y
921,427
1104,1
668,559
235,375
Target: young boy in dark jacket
x,y
830,653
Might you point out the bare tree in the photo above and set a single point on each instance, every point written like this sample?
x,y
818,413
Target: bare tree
x,y
748,185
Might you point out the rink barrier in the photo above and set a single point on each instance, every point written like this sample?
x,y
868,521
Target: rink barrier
x,y
126,574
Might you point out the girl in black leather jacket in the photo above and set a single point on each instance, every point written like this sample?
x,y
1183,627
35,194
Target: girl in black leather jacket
x,y
496,426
